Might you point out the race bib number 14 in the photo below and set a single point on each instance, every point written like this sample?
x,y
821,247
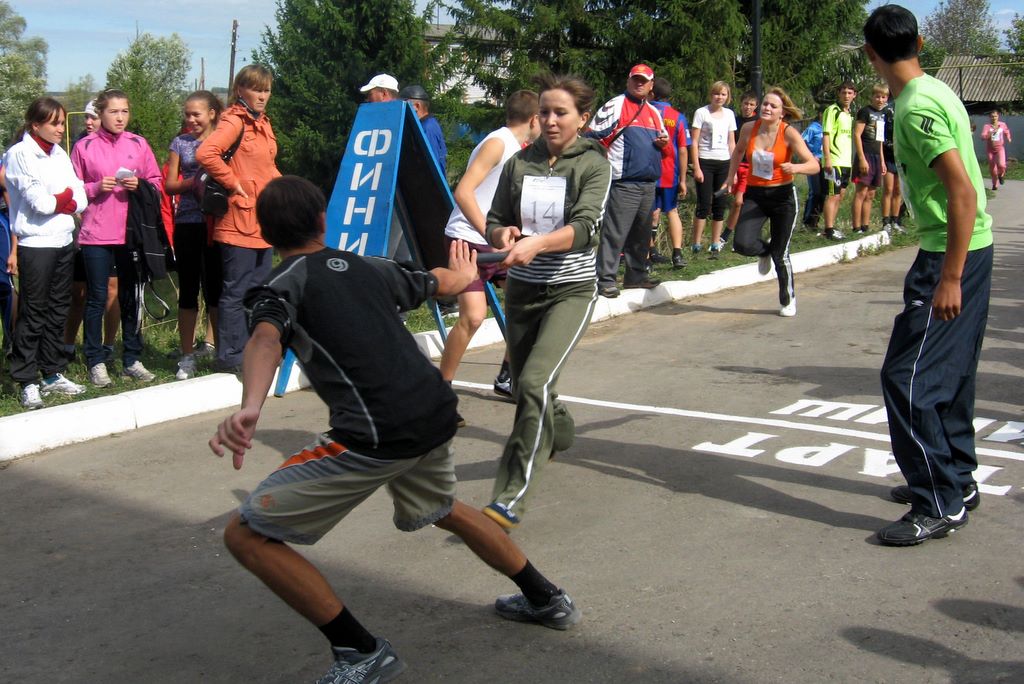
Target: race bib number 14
x,y
542,206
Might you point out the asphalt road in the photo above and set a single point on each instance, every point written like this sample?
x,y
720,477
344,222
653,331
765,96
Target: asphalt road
x,y
714,520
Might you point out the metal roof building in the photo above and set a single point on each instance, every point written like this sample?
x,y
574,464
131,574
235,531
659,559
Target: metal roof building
x,y
981,80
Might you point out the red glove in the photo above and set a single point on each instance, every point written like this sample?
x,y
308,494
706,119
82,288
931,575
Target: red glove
x,y
63,201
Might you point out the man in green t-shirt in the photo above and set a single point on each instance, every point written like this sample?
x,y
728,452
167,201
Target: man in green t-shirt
x,y
929,371
837,154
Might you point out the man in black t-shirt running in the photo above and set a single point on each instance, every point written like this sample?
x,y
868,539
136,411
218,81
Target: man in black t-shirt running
x,y
392,419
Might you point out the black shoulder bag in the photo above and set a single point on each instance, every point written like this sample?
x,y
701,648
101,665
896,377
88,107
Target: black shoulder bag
x,y
213,197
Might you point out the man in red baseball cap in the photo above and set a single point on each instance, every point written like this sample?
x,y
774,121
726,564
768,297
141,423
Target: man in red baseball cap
x,y
642,70
634,133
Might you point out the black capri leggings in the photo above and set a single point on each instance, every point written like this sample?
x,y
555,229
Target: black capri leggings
x,y
198,264
778,206
714,177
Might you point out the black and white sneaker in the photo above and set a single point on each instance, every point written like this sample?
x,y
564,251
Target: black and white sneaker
x,y
503,384
972,497
914,528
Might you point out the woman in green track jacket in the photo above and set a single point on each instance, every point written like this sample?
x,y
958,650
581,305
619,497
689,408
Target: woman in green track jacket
x,y
547,214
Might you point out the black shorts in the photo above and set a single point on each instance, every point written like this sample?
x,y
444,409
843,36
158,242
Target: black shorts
x,y
873,178
837,183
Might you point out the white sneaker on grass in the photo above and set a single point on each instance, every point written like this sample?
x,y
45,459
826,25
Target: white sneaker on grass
x,y
98,375
30,398
186,367
137,371
59,384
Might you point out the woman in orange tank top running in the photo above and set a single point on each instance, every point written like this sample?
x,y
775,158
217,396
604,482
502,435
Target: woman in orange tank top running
x,y
769,144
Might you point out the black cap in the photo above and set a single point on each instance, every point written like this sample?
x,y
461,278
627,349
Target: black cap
x,y
413,92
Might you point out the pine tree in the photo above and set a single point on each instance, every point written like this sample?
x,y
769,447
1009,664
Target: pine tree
x,y
692,43
321,52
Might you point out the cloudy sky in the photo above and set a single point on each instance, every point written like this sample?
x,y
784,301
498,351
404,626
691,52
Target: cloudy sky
x,y
84,37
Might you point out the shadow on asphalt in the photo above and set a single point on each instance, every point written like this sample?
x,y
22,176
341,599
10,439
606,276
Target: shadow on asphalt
x,y
693,472
930,656
133,595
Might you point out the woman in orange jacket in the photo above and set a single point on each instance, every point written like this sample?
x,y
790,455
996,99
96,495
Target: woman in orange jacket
x,y
245,256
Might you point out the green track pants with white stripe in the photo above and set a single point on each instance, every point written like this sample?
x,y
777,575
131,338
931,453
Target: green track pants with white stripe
x,y
544,323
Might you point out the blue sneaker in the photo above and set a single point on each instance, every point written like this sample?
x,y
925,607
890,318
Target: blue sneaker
x,y
559,613
500,514
352,667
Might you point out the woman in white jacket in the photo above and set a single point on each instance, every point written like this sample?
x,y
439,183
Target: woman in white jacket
x,y
45,194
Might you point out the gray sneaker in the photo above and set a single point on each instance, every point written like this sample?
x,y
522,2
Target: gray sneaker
x,y
138,372
559,613
352,667
61,385
764,264
98,375
186,367
30,398
205,350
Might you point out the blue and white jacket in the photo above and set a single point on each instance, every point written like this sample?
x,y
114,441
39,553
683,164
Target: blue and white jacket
x,y
632,154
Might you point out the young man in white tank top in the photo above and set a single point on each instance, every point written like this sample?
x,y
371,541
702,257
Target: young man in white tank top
x,y
468,222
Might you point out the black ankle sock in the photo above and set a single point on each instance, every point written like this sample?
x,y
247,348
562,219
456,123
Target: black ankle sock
x,y
536,587
504,366
345,631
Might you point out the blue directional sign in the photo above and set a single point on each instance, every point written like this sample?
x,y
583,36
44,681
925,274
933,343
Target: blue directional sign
x,y
390,199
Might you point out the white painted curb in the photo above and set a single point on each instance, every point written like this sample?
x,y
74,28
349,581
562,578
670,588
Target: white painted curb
x,y
34,431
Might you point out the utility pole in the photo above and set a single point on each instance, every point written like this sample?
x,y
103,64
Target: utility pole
x,y
234,42
755,68
202,73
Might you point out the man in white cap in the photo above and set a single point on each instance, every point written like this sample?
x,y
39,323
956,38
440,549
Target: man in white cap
x,y
381,88
92,120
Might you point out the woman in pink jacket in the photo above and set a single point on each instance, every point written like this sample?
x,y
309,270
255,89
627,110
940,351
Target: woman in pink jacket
x,y
996,134
245,256
111,162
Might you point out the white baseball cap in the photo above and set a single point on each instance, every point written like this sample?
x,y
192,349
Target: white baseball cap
x,y
385,81
90,109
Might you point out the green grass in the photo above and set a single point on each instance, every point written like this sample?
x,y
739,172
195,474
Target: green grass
x,y
161,336
159,355
1014,170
